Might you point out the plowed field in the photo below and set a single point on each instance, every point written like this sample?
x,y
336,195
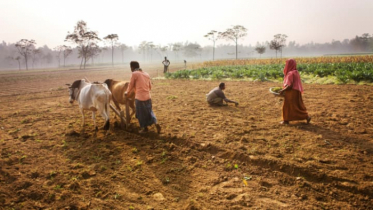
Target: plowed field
x,y
205,158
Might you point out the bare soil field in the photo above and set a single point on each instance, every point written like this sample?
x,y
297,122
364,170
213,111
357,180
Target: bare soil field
x,y
205,158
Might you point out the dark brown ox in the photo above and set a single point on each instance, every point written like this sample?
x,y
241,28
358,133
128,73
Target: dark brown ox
x,y
118,88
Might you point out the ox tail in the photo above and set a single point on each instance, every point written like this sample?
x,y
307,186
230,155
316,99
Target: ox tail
x,y
107,123
107,111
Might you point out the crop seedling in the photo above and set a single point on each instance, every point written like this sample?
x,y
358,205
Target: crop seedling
x,y
14,131
228,167
98,194
117,196
97,158
22,159
164,153
164,160
171,97
134,150
52,174
24,121
166,180
57,187
64,144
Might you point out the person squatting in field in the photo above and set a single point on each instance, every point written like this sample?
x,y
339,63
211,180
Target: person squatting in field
x,y
140,81
293,107
216,96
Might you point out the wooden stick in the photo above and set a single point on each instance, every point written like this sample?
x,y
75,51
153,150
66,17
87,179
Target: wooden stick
x,y
117,113
128,117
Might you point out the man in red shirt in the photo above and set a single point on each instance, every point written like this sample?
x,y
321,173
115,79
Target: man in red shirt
x,y
140,81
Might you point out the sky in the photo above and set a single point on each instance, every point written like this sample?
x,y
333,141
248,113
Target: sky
x,y
170,21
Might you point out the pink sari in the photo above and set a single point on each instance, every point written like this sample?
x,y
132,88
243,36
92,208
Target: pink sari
x,y
292,77
293,108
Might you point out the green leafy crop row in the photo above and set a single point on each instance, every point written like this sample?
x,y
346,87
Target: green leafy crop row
x,y
344,72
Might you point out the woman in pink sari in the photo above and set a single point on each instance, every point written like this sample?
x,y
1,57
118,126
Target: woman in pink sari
x,y
293,108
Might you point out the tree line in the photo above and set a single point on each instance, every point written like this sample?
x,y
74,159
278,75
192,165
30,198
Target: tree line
x,y
85,49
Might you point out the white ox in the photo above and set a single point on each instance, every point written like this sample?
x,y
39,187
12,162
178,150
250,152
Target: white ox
x,y
93,97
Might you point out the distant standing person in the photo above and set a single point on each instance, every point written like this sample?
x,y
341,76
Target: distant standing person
x,y
216,96
293,108
166,63
140,81
184,64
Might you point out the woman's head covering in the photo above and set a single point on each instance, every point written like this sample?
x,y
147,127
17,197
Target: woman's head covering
x,y
291,76
290,66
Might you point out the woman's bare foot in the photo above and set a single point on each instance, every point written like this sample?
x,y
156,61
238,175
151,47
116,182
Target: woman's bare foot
x,y
308,120
284,122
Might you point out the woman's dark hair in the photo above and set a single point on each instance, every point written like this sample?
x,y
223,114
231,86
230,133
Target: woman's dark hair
x,y
135,64
221,85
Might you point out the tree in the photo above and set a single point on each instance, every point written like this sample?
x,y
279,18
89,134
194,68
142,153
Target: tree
x,y
34,55
59,49
112,38
48,58
278,43
164,50
102,52
18,59
86,41
143,48
95,50
66,52
213,36
151,47
192,49
234,34
362,43
260,49
176,48
25,48
123,48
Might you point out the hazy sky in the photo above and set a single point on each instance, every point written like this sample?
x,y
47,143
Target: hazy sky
x,y
168,21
